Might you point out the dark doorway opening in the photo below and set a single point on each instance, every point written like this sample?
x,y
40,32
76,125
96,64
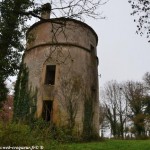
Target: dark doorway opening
x,y
50,74
47,110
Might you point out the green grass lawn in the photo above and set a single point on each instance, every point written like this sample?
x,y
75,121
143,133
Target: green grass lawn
x,y
105,145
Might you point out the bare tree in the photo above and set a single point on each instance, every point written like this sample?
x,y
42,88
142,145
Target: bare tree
x,y
77,9
116,110
146,79
102,111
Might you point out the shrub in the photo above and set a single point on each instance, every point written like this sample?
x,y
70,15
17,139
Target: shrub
x,y
15,135
47,131
41,130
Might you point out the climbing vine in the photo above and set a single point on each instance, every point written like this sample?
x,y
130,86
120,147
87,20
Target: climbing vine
x,y
88,118
25,98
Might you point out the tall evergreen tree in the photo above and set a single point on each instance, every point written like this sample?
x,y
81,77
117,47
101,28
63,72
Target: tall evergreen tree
x,y
12,27
13,17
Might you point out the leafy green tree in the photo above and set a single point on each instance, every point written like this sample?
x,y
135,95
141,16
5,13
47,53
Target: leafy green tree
x,y
135,94
146,79
11,32
3,92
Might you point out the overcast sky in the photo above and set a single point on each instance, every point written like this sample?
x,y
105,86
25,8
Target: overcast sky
x,y
123,55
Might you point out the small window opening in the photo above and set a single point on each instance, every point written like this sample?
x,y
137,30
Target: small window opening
x,y
47,110
50,74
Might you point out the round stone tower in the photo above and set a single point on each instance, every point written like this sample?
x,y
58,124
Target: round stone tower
x,y
62,61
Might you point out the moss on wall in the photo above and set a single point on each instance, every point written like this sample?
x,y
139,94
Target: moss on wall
x,y
88,118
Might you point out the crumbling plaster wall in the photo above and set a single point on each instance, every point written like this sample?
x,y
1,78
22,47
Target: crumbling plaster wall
x,y
69,49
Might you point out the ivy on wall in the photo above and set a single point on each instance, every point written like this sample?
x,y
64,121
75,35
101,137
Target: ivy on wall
x,y
25,98
89,130
88,118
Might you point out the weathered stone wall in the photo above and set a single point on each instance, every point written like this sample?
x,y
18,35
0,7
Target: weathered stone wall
x,y
72,48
